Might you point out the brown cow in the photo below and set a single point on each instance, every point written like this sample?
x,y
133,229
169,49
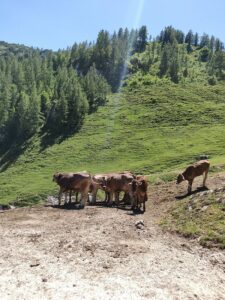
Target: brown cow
x,y
78,182
99,182
199,168
116,183
139,192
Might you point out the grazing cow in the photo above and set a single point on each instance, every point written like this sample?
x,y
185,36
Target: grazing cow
x,y
199,168
139,192
78,182
116,183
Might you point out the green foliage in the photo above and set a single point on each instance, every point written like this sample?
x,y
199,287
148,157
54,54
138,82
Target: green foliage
x,y
204,40
217,65
204,54
142,38
212,80
96,88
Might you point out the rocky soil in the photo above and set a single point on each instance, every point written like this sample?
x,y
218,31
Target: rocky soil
x,y
105,253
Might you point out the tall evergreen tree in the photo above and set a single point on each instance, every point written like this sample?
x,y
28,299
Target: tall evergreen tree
x,y
141,39
164,62
96,88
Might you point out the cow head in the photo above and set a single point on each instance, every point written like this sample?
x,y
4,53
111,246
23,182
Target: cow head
x,y
133,186
180,178
56,177
103,183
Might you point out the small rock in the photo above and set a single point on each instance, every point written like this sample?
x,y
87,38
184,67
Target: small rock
x,y
140,222
44,280
219,189
34,264
221,200
204,208
139,226
106,266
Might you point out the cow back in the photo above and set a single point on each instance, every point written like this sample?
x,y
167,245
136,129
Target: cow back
x,y
196,169
74,181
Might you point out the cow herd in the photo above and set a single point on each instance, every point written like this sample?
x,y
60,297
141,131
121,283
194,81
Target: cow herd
x,y
134,187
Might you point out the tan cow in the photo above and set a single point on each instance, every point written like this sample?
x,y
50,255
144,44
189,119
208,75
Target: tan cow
x,y
78,182
139,192
99,182
116,183
199,168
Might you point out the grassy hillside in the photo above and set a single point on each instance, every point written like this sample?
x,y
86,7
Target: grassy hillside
x,y
202,216
153,127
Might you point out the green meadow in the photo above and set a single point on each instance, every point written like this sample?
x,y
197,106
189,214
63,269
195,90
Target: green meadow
x,y
152,127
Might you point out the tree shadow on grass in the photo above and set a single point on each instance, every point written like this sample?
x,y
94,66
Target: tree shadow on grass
x,y
49,138
11,154
198,190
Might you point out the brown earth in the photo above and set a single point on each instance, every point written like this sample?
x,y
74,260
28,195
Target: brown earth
x,y
101,253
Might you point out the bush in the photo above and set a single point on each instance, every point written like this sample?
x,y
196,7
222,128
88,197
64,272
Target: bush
x,y
212,80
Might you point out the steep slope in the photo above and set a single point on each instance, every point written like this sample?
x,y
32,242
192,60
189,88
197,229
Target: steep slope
x,y
148,128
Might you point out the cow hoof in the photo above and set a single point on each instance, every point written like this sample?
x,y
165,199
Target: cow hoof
x,y
81,206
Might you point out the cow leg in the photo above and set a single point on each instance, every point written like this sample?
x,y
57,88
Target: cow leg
x,y
138,203
106,196
60,195
110,201
205,177
133,200
84,196
144,206
65,198
94,194
70,195
190,186
126,198
117,198
76,196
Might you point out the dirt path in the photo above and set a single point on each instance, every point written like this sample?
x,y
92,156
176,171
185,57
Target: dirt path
x,y
99,253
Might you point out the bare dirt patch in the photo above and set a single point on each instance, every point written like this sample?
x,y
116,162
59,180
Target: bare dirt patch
x,y
101,253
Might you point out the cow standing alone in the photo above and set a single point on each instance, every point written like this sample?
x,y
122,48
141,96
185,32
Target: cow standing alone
x,y
199,168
